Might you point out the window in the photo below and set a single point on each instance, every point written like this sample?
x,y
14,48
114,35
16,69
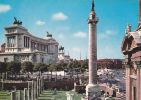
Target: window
x,y
11,41
42,60
26,42
11,30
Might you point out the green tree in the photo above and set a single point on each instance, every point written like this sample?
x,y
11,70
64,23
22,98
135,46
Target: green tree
x,y
14,67
40,67
3,67
60,66
43,67
27,66
52,68
36,67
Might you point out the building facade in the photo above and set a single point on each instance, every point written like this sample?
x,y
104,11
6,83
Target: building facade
x,y
20,45
131,48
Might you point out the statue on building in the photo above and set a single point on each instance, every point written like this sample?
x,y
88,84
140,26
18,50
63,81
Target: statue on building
x,y
61,48
48,34
17,21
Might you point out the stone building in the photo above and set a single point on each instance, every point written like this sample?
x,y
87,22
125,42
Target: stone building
x,y
20,45
131,48
109,63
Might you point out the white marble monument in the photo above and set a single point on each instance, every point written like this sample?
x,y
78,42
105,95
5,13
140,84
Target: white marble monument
x,y
92,89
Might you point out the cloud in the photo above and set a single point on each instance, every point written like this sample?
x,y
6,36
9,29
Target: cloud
x,y
40,23
4,8
80,34
59,16
107,34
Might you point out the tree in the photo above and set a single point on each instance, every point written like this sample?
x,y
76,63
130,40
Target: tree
x,y
36,67
27,66
3,67
40,67
84,65
60,65
43,67
14,67
51,68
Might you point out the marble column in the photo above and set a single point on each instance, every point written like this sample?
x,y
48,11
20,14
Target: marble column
x,y
7,43
20,95
32,90
29,91
30,44
25,93
13,95
92,89
92,54
16,41
42,84
37,86
70,96
35,90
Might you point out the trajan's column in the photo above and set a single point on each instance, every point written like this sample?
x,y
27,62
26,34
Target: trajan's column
x,y
92,89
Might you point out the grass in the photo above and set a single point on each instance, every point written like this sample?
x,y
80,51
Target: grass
x,y
46,95
4,95
60,95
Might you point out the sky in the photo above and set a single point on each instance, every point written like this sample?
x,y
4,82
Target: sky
x,y
67,20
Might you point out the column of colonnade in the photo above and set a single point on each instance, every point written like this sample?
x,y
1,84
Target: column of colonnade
x,y
35,88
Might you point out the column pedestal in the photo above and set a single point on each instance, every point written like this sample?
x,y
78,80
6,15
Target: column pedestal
x,y
92,91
